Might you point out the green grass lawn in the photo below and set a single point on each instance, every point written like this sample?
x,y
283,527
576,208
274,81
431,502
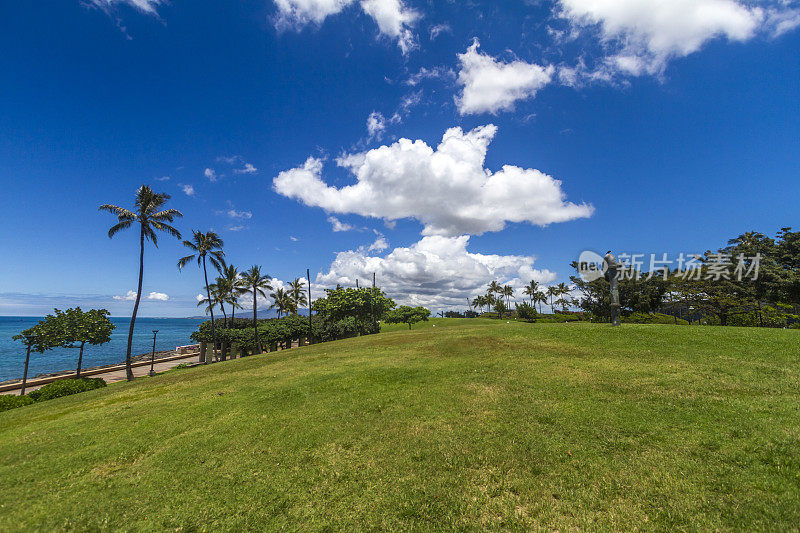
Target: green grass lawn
x,y
478,425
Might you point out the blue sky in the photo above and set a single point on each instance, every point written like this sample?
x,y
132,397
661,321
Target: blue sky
x,y
641,126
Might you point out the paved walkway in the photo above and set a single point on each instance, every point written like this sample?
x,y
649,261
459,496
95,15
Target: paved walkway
x,y
119,375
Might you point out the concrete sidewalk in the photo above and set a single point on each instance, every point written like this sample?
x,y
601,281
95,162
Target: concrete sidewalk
x,y
113,376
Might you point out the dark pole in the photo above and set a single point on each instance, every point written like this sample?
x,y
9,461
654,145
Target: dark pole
x,y
310,330
153,355
25,374
357,283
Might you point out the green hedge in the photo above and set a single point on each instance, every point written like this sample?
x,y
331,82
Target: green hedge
x,y
56,389
66,387
9,401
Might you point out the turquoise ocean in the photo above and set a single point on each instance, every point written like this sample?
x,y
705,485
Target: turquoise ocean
x,y
172,332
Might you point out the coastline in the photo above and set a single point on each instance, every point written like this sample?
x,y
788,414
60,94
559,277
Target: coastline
x,y
134,358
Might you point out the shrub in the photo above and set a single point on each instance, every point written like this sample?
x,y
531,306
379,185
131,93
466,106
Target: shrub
x,y
8,401
66,387
526,311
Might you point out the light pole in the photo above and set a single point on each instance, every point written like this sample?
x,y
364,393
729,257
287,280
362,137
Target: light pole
x,y
153,355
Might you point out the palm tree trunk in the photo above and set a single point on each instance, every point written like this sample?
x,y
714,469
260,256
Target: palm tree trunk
x,y
211,309
80,360
255,320
128,369
224,316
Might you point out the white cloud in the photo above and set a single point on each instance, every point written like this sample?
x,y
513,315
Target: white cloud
x,y
158,296
447,189
247,169
491,86
641,36
376,125
145,6
129,296
436,272
439,29
211,174
200,297
163,178
438,72
244,215
379,245
338,225
394,19
187,189
292,238
236,228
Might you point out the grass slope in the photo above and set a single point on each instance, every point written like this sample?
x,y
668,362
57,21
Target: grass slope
x,y
480,425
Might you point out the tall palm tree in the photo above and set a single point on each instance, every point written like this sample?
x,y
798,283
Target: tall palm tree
x,y
508,292
530,290
205,245
479,302
494,287
297,294
552,292
279,301
151,217
232,287
563,290
256,282
541,298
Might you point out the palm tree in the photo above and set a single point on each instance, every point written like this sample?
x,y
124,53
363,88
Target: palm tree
x,y
279,301
231,287
508,292
256,282
205,245
479,302
494,287
296,294
151,217
541,298
563,290
530,290
552,292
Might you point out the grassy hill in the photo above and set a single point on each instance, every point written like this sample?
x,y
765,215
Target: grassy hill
x,y
480,424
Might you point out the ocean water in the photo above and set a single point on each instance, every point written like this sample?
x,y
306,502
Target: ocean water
x,y
172,332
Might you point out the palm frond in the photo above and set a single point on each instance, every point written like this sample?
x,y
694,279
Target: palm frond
x,y
120,212
167,214
166,228
118,227
183,261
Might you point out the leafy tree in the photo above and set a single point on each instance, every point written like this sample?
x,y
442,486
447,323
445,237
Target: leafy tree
x,y
75,327
256,283
563,291
526,311
500,307
205,246
150,216
38,338
365,306
407,315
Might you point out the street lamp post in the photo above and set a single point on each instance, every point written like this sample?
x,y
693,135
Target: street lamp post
x,y
153,355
